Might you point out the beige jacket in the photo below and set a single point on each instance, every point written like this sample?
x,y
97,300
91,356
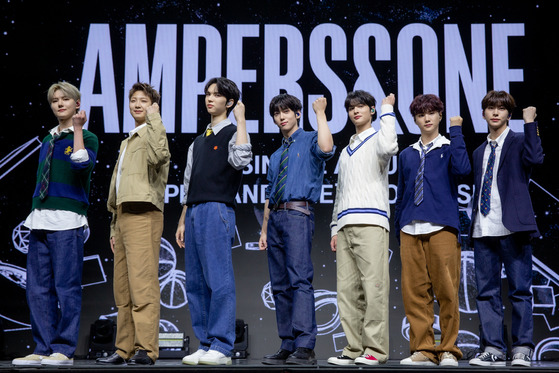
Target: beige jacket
x,y
145,167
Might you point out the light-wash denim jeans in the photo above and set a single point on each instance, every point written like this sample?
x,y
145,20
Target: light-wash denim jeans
x,y
210,282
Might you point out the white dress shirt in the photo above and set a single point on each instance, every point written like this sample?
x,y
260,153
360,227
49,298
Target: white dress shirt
x,y
492,224
119,170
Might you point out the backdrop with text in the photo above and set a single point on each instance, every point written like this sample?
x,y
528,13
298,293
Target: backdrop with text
x,y
306,48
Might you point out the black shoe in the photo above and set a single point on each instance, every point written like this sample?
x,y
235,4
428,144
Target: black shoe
x,y
276,359
302,356
114,359
141,357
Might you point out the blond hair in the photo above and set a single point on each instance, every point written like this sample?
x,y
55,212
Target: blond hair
x,y
69,89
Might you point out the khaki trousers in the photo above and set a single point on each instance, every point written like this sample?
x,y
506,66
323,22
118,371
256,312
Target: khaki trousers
x,y
363,282
431,267
136,281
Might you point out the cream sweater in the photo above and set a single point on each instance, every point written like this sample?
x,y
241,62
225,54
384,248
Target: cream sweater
x,y
362,191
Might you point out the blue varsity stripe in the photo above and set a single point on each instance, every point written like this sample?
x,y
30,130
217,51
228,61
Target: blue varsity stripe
x,y
65,190
358,210
358,146
391,114
350,151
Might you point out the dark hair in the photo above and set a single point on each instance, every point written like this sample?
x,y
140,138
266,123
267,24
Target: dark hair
x,y
498,98
285,101
360,97
151,92
227,88
425,103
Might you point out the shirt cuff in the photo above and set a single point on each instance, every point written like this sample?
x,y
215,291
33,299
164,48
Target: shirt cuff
x,y
79,156
243,147
324,155
333,230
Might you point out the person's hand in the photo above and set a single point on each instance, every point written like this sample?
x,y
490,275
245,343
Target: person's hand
x,y
334,242
262,242
112,242
239,111
153,108
319,105
389,100
79,119
529,114
456,121
179,236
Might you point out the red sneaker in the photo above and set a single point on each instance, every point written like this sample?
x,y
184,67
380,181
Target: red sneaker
x,y
366,360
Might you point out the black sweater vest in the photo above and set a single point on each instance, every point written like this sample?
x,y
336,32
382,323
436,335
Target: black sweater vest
x,y
213,179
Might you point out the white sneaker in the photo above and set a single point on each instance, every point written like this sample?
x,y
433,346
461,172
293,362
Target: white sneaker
x,y
340,360
32,360
521,360
417,359
213,357
448,359
194,358
57,359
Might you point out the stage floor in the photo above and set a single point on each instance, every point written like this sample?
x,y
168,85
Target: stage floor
x,y
254,365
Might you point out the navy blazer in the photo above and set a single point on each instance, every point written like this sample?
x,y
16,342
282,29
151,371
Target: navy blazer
x,y
520,152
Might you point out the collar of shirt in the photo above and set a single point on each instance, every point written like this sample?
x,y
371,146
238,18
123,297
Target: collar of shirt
x,y
437,143
218,127
359,137
292,138
136,129
501,139
54,131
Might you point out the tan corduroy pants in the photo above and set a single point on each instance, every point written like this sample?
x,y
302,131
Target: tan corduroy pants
x,y
363,288
136,281
431,268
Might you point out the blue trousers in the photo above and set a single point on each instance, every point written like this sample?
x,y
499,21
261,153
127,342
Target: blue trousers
x,y
289,238
210,282
515,252
54,289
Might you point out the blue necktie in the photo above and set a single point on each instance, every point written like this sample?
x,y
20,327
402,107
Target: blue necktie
x,y
418,189
485,201
282,176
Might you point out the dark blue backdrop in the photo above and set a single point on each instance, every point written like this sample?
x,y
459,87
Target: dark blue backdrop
x,y
308,48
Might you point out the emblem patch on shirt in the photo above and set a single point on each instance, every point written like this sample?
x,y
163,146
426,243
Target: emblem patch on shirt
x,y
68,150
215,147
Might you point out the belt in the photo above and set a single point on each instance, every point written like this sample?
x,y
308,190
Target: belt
x,y
301,206
136,207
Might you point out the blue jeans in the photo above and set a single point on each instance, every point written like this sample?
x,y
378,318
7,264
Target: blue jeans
x,y
54,279
289,238
515,252
210,282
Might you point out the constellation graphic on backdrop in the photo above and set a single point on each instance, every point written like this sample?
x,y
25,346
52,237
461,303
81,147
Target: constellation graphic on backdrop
x,y
325,304
16,156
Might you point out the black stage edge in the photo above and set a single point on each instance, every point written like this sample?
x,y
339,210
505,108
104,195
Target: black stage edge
x,y
254,365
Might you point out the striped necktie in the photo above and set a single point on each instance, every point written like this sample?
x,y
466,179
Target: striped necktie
x,y
208,132
282,176
418,189
485,201
45,172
